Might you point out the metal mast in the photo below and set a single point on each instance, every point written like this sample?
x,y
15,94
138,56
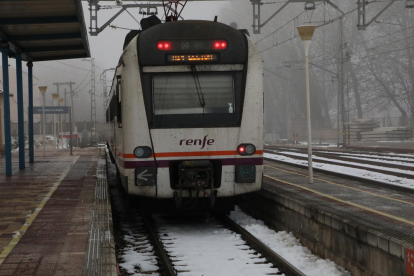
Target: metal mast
x,y
105,87
93,102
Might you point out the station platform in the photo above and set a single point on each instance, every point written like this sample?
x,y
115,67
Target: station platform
x,y
368,230
55,216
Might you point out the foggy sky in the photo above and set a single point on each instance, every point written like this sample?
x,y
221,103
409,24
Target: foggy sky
x,y
106,48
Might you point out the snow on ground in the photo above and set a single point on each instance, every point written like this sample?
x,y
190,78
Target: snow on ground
x,y
381,160
287,246
350,163
38,143
202,246
392,180
393,156
133,248
398,141
135,260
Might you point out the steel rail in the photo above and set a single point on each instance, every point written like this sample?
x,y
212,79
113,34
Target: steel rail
x,y
338,163
363,154
166,262
372,161
377,183
277,260
349,149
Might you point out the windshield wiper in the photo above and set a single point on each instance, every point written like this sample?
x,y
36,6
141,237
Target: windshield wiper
x,y
198,88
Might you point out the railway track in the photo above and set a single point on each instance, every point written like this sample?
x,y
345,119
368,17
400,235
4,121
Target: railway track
x,y
377,183
172,245
391,156
392,167
387,167
177,239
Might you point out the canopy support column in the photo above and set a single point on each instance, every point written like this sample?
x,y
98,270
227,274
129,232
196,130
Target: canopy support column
x,y
20,110
31,133
6,100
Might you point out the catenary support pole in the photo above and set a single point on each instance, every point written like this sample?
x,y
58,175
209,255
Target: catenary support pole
x,y
31,133
308,119
71,132
20,110
6,100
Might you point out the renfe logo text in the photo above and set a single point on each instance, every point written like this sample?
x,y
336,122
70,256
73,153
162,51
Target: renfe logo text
x,y
190,142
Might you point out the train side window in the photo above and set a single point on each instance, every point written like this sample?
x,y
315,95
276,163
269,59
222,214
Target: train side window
x,y
119,101
113,106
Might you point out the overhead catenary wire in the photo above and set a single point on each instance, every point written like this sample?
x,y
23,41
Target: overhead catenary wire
x,y
82,81
59,70
292,20
365,41
72,66
374,55
338,50
82,87
324,24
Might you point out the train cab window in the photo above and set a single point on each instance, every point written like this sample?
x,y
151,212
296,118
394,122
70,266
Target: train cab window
x,y
113,108
188,95
119,103
201,99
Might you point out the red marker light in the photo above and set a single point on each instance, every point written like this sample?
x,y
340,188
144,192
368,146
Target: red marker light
x,y
164,45
220,45
241,149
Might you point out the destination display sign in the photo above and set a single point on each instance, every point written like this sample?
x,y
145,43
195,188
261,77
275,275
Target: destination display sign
x,y
193,58
51,110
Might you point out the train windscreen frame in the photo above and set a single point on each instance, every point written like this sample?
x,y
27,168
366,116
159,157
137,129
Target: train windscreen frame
x,y
213,114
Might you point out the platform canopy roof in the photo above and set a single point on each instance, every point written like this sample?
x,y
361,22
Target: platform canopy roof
x,y
44,29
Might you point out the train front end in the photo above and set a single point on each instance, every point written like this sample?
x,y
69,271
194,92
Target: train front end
x,y
193,96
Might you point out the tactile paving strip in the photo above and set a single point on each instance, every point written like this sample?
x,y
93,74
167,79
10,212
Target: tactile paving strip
x,y
101,258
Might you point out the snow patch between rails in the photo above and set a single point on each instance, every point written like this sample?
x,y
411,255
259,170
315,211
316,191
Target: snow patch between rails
x,y
201,246
287,246
138,263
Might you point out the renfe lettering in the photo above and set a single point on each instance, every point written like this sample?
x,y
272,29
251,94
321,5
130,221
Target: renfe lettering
x,y
197,142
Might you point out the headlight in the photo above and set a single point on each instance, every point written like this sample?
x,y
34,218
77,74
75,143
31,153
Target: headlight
x,y
142,152
250,149
246,149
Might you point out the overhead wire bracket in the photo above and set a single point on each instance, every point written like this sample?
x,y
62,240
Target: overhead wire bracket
x,y
409,4
362,16
309,5
94,7
173,8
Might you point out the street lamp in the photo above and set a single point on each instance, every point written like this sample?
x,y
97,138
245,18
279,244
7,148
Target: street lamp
x,y
60,103
42,90
55,96
306,34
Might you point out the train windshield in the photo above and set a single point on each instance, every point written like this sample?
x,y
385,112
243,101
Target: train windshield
x,y
194,99
193,94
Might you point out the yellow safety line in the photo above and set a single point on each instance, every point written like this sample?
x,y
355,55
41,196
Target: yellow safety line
x,y
341,185
343,201
73,253
23,229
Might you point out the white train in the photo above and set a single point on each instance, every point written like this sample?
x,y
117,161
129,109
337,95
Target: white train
x,y
185,116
